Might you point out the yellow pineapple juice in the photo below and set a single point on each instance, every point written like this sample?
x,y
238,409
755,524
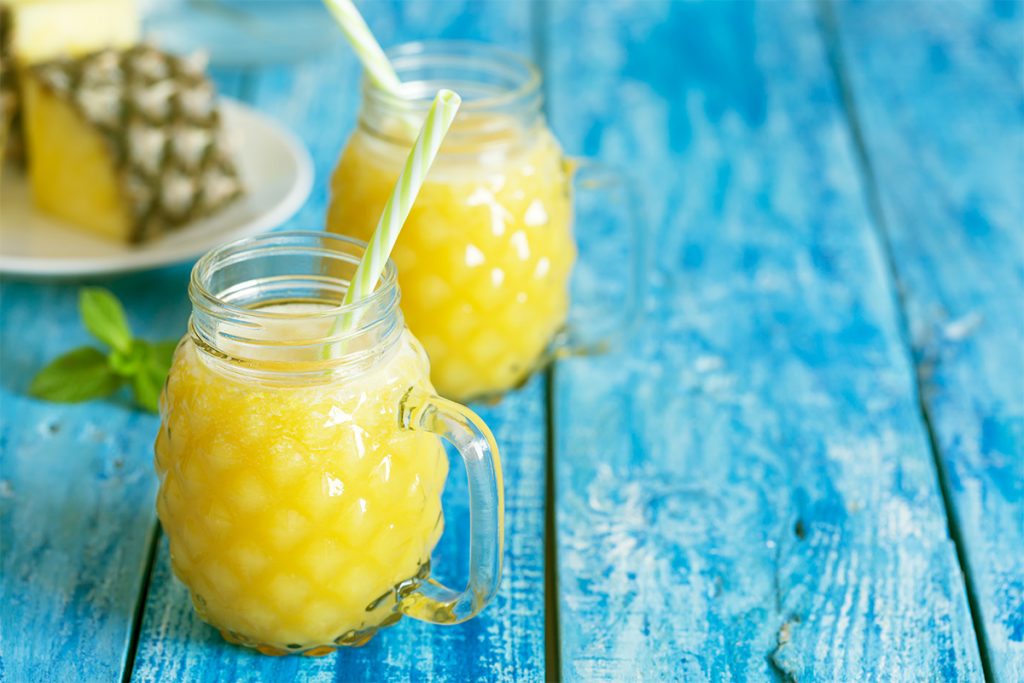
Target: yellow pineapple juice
x,y
485,257
300,506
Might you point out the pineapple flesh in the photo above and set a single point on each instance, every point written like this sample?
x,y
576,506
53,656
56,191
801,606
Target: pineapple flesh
x,y
126,144
71,173
44,29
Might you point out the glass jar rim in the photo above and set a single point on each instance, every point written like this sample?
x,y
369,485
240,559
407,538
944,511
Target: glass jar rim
x,y
202,296
234,286
417,53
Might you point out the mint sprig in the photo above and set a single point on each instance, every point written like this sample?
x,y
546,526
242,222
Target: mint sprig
x,y
87,373
103,315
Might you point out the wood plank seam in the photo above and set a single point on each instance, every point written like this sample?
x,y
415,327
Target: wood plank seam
x,y
552,646
140,603
771,387
834,50
944,131
240,87
552,643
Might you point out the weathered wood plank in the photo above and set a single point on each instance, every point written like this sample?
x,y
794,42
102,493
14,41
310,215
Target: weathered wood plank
x,y
746,491
318,100
76,483
939,92
76,489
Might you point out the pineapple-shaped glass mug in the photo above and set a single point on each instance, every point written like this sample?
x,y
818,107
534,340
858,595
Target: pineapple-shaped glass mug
x,y
486,256
300,461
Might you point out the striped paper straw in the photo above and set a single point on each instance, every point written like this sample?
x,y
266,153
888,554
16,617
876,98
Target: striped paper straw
x,y
424,150
366,47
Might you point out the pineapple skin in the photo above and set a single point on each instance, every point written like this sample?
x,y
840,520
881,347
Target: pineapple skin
x,y
71,171
8,81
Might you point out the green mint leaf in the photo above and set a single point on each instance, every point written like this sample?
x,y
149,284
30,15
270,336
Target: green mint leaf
x,y
151,371
146,387
163,353
131,362
104,317
76,376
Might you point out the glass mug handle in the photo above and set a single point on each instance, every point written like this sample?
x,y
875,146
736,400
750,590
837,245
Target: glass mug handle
x,y
607,217
430,600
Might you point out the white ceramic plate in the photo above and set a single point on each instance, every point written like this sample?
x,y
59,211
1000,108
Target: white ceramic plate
x,y
274,165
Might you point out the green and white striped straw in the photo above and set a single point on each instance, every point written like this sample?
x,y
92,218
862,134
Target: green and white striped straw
x,y
366,47
424,150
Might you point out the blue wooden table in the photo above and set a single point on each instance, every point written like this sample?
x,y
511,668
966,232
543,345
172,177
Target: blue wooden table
x,y
805,463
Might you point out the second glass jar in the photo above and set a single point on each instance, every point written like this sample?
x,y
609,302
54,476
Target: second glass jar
x,y
485,257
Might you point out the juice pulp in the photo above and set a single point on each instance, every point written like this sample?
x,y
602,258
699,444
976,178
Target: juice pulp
x,y
295,511
485,256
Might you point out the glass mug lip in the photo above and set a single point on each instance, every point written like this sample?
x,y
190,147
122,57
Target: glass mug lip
x,y
231,252
379,327
492,58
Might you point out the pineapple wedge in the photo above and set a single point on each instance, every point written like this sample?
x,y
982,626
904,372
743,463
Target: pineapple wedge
x,y
35,30
126,144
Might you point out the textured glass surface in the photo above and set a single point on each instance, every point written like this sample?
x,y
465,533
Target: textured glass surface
x,y
296,514
484,259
